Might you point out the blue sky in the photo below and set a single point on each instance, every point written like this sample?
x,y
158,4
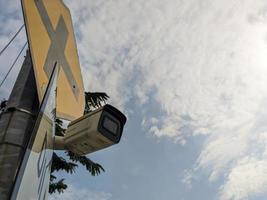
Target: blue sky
x,y
191,77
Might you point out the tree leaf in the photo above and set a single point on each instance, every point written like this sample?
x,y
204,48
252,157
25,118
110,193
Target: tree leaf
x,y
94,100
59,187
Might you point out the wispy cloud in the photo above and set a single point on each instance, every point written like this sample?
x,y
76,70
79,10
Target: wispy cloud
x,y
80,194
202,62
246,179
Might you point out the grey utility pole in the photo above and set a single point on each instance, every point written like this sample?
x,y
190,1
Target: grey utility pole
x,y
16,124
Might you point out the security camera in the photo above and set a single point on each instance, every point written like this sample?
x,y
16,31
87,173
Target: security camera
x,y
94,131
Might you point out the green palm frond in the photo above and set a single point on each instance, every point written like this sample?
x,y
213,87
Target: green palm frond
x,y
59,130
60,163
94,168
94,100
59,186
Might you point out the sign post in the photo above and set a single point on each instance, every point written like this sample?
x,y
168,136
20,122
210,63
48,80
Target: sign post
x,y
36,166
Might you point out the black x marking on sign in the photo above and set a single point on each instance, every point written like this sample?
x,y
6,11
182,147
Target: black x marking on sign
x,y
56,50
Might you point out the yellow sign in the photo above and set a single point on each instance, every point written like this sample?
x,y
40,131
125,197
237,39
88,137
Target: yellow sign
x,y
52,42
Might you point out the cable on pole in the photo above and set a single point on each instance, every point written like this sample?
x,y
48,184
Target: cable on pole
x,y
5,47
13,64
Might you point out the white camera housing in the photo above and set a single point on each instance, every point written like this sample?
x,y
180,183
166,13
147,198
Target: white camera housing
x,y
93,131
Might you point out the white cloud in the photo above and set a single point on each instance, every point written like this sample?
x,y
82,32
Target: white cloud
x,y
81,194
202,59
247,178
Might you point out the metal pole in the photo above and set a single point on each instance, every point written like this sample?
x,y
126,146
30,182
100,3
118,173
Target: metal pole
x,y
16,124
